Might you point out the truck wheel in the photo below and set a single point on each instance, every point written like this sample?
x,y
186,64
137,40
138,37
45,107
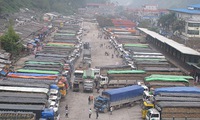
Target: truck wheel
x,y
105,110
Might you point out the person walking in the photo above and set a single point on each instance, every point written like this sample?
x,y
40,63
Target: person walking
x,y
90,112
66,107
111,109
89,100
97,114
98,89
66,112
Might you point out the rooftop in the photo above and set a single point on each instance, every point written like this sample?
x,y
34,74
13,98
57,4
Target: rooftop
x,y
180,47
188,11
195,6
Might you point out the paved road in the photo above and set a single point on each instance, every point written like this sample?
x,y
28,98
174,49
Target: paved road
x,y
78,101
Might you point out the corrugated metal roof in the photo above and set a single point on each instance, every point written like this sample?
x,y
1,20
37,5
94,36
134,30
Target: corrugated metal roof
x,y
188,11
180,47
194,5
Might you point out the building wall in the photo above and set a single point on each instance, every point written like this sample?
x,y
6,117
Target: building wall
x,y
192,29
151,7
186,16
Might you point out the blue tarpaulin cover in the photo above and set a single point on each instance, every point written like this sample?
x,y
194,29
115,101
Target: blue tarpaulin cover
x,y
123,93
194,90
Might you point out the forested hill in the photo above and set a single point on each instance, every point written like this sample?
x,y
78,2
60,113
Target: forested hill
x,y
161,3
62,6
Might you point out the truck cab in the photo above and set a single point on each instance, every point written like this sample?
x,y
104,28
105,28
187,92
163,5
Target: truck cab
x,y
56,93
103,81
96,73
78,75
75,86
146,105
88,85
152,114
62,88
101,103
53,106
147,96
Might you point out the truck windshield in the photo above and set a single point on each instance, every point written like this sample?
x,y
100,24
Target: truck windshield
x,y
145,97
76,85
154,115
78,75
88,85
100,101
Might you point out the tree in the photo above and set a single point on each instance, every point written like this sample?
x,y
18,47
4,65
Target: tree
x,y
178,25
10,42
167,20
171,20
144,24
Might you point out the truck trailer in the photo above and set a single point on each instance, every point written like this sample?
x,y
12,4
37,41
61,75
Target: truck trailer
x,y
174,111
39,110
119,97
9,115
121,78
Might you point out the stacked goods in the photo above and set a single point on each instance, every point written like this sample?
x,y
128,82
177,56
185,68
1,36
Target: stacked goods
x,y
142,65
157,81
163,70
178,109
126,74
175,103
18,116
104,69
121,78
38,86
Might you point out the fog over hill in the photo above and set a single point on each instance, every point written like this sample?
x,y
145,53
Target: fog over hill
x,y
160,3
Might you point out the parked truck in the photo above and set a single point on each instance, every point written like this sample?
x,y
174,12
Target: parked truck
x,y
118,97
104,69
186,90
175,103
78,76
40,78
38,110
8,115
75,86
121,78
88,82
88,85
174,111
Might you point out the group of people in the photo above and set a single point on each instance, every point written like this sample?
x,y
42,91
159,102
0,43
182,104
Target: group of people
x,y
97,113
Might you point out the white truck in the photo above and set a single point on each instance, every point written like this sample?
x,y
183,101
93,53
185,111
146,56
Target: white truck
x,y
78,76
121,78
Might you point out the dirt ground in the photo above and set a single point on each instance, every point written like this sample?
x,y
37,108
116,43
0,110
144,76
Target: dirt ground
x,y
78,101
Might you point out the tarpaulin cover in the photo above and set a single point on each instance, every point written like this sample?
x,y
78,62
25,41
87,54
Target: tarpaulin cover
x,y
126,71
123,93
32,76
177,90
